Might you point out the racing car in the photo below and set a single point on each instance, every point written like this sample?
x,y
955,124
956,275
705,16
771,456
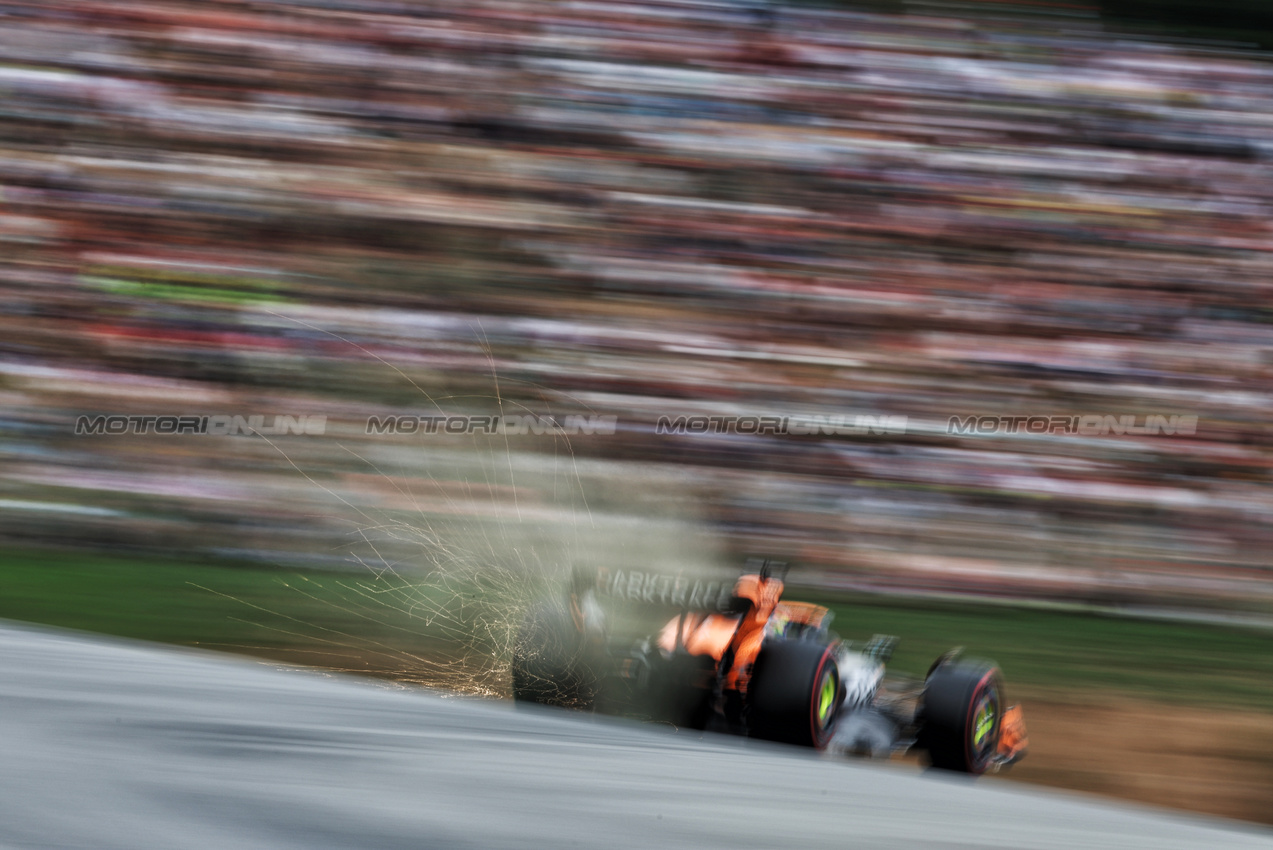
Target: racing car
x,y
737,657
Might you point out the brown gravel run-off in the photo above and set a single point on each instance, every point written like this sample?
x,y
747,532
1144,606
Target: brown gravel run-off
x,y
1215,761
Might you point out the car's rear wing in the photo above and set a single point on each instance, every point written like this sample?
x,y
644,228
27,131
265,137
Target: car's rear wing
x,y
679,591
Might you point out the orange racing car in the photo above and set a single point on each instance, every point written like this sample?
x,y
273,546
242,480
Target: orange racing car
x,y
739,658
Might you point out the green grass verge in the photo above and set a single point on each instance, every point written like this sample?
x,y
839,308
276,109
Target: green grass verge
x,y
1062,650
389,625
423,630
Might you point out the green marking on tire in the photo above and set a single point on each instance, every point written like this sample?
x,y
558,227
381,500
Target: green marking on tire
x,y
983,724
826,699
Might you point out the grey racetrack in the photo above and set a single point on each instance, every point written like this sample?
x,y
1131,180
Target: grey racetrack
x,y
109,744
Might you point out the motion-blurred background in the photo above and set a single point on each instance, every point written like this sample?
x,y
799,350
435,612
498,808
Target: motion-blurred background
x,y
343,209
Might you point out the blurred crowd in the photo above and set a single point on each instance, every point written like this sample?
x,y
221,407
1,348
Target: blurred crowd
x,y
642,209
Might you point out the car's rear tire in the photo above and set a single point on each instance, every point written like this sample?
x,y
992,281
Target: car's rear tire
x,y
794,693
551,663
961,713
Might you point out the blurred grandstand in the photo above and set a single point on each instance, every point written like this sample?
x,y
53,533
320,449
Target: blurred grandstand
x,y
358,208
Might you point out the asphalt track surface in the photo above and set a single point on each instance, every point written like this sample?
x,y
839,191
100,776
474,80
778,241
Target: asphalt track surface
x,y
109,744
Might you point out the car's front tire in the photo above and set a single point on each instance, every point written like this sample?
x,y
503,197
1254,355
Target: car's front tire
x,y
961,715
